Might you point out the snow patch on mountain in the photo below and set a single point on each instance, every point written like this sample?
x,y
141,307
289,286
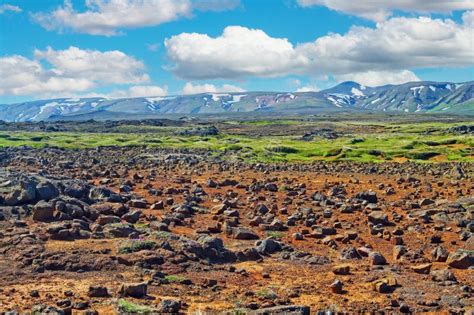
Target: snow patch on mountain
x,y
357,92
417,90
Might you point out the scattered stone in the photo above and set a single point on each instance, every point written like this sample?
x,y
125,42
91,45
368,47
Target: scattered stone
x,y
97,291
376,259
43,211
422,269
134,290
336,287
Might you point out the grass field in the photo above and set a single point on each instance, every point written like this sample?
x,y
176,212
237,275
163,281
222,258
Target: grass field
x,y
384,142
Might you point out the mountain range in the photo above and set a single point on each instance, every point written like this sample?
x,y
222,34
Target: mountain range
x,y
423,96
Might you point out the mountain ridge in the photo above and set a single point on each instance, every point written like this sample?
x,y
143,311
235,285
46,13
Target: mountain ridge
x,y
421,96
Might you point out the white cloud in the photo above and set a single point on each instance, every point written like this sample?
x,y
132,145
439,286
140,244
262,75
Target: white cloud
x,y
140,91
8,7
307,88
190,88
391,46
378,78
70,70
379,10
107,17
238,52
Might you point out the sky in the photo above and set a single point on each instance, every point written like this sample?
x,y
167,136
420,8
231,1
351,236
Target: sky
x,y
133,48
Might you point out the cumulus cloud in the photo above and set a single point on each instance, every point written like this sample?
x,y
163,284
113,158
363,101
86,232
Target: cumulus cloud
x,y
107,17
140,91
379,10
378,78
70,70
190,88
391,47
238,52
8,7
307,88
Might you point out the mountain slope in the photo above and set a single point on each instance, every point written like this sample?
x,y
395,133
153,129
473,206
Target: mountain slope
x,y
409,97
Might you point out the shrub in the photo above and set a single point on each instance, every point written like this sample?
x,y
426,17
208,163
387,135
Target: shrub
x,y
282,149
136,246
421,155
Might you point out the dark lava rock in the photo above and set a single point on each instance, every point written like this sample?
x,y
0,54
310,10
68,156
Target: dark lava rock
x,y
284,309
97,291
43,211
138,290
369,196
268,246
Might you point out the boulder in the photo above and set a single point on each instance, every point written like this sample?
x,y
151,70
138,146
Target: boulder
x,y
369,196
268,246
45,190
97,291
336,287
244,234
378,217
442,276
461,259
169,306
43,211
376,259
440,254
341,270
136,290
132,216
107,219
422,269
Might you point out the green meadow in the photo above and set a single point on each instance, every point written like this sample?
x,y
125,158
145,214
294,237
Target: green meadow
x,y
423,142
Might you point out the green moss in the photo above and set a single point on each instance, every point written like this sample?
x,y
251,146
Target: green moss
x,y
129,307
175,278
136,246
275,234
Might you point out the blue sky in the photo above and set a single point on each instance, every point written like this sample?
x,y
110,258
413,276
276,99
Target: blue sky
x,y
56,48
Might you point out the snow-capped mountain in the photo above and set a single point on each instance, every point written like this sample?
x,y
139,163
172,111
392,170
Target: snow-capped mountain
x,y
409,97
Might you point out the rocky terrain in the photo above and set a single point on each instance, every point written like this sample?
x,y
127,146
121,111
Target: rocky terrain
x,y
133,229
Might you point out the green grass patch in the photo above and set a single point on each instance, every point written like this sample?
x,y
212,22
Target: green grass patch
x,y
129,307
175,278
275,234
415,141
136,246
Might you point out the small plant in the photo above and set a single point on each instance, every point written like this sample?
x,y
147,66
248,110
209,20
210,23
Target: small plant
x,y
265,293
175,278
163,235
136,246
129,307
275,234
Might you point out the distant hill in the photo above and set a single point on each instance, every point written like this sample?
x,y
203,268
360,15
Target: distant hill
x,y
454,98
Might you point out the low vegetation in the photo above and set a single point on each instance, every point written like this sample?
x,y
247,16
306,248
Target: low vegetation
x,y
132,308
417,141
136,246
